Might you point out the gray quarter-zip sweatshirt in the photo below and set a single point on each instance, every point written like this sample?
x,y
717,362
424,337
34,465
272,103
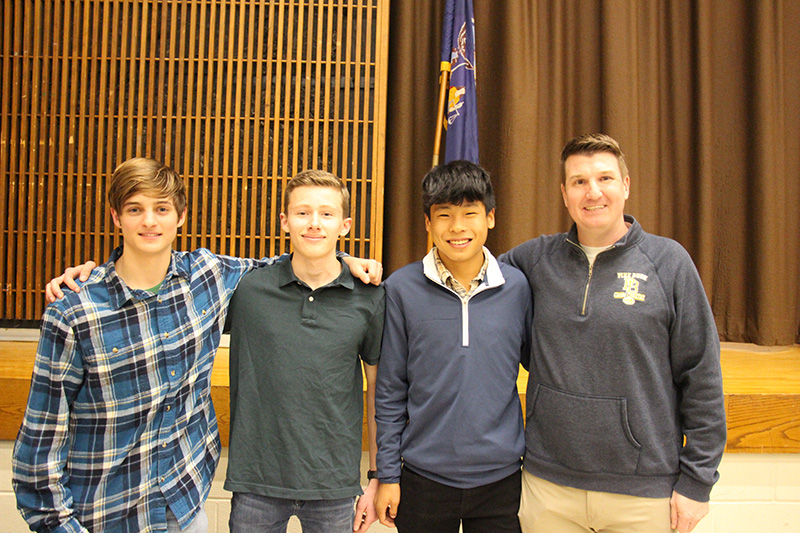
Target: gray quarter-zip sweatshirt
x,y
625,366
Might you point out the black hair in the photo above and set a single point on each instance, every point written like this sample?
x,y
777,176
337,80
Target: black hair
x,y
457,182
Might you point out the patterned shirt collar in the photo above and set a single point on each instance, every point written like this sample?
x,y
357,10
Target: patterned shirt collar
x,y
452,283
119,293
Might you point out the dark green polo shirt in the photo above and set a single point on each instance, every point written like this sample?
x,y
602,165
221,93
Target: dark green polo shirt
x,y
296,385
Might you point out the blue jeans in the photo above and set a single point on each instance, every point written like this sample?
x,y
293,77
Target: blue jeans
x,y
253,512
198,525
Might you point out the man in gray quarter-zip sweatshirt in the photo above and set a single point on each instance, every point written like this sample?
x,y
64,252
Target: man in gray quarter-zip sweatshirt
x,y
625,411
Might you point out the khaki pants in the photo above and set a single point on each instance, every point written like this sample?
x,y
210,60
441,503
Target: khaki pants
x,y
546,507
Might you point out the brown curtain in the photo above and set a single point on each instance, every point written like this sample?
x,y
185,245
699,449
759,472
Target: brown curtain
x,y
704,97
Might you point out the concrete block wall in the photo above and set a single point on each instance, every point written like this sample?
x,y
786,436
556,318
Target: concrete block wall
x,y
757,493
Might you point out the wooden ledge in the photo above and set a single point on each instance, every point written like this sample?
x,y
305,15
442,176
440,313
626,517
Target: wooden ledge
x,y
762,398
762,394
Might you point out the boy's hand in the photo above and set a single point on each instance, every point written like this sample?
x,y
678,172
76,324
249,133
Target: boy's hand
x,y
367,270
53,290
386,502
365,508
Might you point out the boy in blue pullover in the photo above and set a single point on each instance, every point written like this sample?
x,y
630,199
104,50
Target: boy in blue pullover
x,y
450,433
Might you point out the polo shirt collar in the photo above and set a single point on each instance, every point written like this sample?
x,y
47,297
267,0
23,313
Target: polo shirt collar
x,y
287,276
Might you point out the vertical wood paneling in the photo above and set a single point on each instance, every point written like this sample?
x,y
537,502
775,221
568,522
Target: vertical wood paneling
x,y
41,225
63,142
361,78
228,188
238,96
270,190
96,201
34,45
5,153
209,9
378,136
189,240
247,235
238,189
276,111
24,145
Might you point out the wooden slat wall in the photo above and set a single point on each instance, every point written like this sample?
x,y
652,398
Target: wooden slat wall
x,y
238,96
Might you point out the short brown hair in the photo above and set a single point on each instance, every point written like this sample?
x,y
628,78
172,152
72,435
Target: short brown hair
x,y
142,175
317,178
592,143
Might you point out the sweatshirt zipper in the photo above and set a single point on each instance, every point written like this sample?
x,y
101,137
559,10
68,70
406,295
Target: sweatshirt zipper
x,y
586,290
591,271
464,322
465,312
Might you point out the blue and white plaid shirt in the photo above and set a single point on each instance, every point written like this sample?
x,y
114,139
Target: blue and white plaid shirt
x,y
119,421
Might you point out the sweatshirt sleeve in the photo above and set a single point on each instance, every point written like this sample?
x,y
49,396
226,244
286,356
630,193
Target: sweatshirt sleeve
x,y
527,347
525,256
40,453
520,257
695,359
512,257
391,390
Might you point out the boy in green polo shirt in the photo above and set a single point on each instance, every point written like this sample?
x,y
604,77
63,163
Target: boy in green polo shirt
x,y
299,335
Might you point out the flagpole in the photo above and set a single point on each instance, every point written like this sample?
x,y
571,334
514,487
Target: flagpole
x,y
444,84
444,80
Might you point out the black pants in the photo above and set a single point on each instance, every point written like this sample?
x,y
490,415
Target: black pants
x,y
428,506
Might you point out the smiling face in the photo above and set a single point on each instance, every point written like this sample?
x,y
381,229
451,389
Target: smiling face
x,y
594,192
149,224
459,233
314,220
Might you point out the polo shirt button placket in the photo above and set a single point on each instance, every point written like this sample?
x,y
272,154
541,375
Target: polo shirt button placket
x,y
309,307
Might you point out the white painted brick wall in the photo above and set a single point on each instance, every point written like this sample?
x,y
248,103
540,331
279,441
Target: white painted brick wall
x,y
756,494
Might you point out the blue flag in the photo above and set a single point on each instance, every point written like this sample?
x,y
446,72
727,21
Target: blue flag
x,y
458,56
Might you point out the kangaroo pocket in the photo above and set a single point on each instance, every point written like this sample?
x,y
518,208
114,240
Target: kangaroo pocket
x,y
583,433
